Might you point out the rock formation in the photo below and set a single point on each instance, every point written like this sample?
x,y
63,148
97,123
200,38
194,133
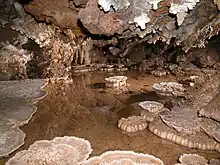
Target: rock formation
x,y
201,95
211,127
182,119
169,89
16,104
132,124
196,159
182,124
212,109
116,81
151,20
199,140
72,33
123,157
151,109
151,106
13,61
60,150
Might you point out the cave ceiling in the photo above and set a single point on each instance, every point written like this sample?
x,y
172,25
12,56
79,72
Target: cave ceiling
x,y
189,23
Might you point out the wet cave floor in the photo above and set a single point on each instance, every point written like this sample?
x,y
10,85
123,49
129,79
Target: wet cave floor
x,y
71,110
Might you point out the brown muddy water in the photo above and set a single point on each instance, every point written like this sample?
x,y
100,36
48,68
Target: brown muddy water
x,y
71,110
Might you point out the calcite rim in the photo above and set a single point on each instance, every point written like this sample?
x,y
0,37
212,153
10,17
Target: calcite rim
x,y
121,154
151,106
131,125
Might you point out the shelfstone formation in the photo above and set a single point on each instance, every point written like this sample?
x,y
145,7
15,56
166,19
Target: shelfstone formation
x,y
151,109
74,150
199,140
195,159
151,106
183,124
116,81
123,157
132,124
60,150
16,105
192,159
149,116
169,89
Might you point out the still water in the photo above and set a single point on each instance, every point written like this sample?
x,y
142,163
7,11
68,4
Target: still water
x,y
86,109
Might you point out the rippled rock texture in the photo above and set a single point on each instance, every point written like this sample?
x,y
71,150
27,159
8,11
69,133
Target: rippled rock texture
x,y
182,124
199,140
132,124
